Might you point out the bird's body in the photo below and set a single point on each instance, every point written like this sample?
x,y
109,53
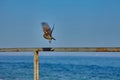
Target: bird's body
x,y
47,31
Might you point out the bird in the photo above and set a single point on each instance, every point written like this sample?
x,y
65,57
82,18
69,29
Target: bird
x,y
48,31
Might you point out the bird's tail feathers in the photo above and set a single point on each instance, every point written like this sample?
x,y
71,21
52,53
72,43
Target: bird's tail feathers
x,y
53,38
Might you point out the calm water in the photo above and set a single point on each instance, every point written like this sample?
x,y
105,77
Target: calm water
x,y
60,68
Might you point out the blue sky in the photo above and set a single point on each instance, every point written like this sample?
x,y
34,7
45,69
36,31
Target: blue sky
x,y
78,23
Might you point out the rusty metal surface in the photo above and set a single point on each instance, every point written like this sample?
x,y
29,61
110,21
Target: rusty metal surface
x,y
89,49
63,49
36,65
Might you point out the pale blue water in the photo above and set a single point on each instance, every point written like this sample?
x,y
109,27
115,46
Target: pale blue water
x,y
60,68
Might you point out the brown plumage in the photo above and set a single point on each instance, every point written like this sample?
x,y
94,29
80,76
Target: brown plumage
x,y
47,31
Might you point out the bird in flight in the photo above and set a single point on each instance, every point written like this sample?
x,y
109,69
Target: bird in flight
x,y
47,31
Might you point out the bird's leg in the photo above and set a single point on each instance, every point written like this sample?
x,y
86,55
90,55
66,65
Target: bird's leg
x,y
49,41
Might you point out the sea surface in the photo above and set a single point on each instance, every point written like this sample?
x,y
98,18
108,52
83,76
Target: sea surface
x,y
60,68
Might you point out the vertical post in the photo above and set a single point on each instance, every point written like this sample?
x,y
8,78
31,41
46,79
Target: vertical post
x,y
36,65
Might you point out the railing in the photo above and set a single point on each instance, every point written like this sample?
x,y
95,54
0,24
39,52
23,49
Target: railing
x,y
60,49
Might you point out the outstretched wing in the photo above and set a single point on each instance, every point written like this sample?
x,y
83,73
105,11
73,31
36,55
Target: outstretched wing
x,y
52,28
46,28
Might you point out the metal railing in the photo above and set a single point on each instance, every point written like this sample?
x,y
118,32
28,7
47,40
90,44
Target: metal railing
x,y
59,49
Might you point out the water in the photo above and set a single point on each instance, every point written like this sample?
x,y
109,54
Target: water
x,y
60,68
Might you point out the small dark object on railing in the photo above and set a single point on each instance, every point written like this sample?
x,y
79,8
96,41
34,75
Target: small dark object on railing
x,y
48,49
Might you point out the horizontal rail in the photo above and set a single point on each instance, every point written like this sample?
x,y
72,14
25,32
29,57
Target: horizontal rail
x,y
63,49
60,49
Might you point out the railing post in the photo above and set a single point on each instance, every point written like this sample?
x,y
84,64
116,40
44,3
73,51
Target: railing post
x,y
36,65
